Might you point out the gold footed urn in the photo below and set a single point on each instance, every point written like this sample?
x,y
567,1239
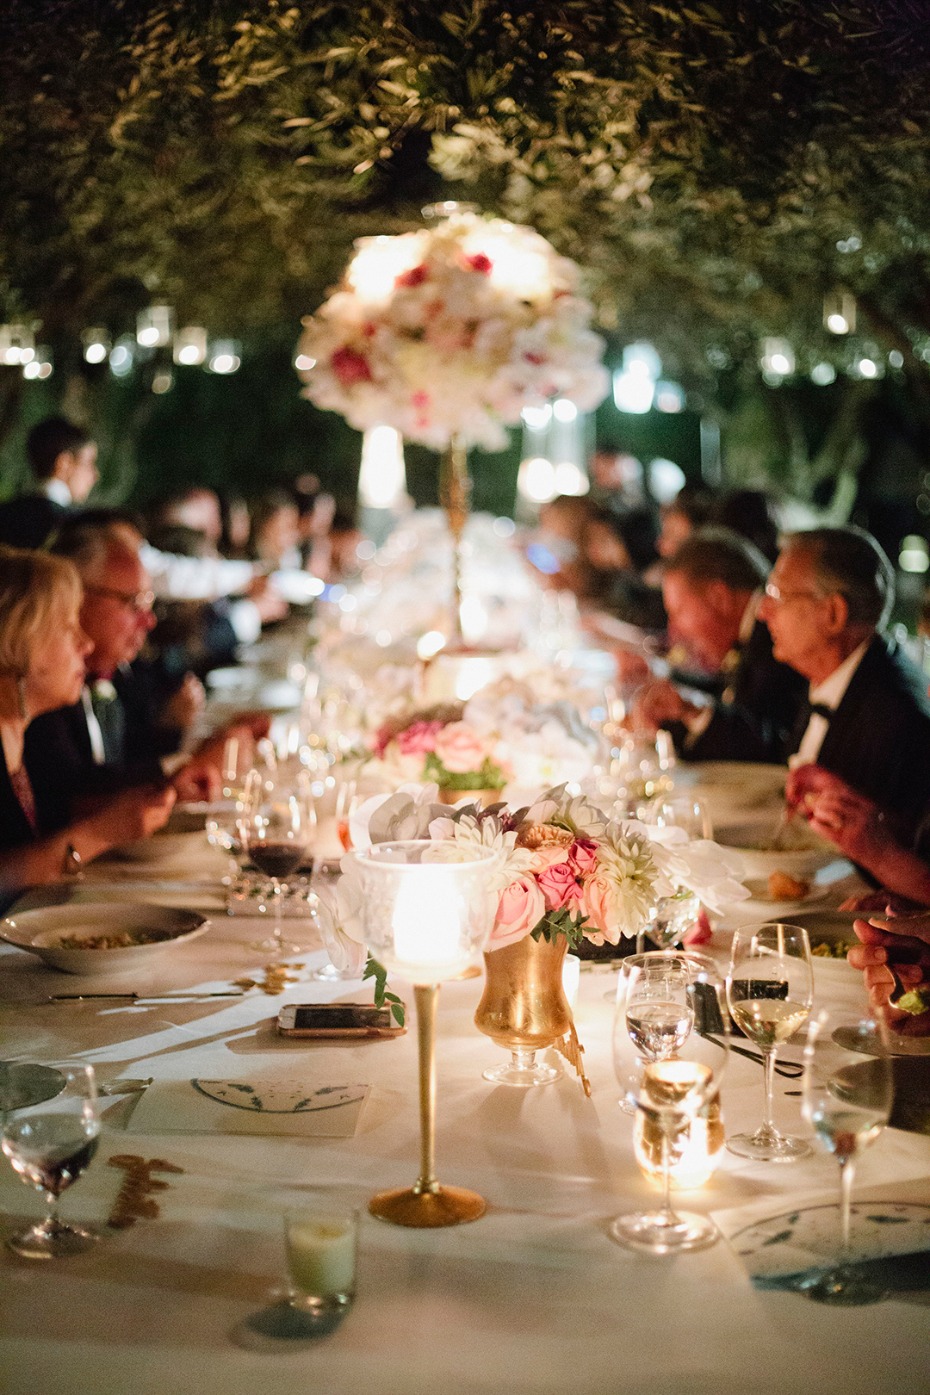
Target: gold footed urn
x,y
524,1008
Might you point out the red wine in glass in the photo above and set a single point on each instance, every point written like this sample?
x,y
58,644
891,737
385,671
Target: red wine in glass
x,y
277,859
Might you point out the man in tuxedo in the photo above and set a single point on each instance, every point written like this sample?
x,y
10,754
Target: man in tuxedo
x,y
111,738
711,588
63,460
867,721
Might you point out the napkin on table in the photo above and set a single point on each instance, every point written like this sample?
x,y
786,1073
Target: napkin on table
x,y
258,1106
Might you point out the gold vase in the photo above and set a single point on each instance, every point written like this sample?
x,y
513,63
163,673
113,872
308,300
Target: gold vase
x,y
524,1008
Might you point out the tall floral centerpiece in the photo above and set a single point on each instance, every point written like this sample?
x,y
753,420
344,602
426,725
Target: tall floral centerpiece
x,y
447,334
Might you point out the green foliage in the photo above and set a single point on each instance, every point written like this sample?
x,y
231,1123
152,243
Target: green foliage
x,y
717,167
563,922
378,973
488,777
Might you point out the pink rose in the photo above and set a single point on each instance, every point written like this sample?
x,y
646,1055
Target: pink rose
x,y
418,739
559,886
550,856
460,748
350,367
520,909
596,900
583,856
479,262
699,931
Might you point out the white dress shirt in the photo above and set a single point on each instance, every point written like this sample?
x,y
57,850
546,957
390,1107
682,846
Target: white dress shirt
x,y
829,693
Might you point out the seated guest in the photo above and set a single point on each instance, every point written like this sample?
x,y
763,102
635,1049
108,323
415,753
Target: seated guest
x,y
688,511
110,737
556,550
711,589
63,461
275,538
749,513
620,545
42,654
868,715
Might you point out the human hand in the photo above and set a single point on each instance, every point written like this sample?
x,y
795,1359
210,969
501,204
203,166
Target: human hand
x,y
880,903
853,823
184,705
805,782
134,813
658,704
892,964
266,600
200,778
632,668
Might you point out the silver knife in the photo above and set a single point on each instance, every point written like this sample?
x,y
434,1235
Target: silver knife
x,y
141,997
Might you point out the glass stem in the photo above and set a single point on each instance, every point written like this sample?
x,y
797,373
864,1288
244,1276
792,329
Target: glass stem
x,y
522,1060
846,1185
426,997
276,886
51,1214
668,1215
768,1126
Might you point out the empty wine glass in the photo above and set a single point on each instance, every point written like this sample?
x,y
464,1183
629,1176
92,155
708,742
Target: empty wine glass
x,y
278,827
49,1145
847,1095
324,908
770,987
224,819
680,1076
673,915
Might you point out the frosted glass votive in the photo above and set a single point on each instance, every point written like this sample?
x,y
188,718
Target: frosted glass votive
x,y
321,1243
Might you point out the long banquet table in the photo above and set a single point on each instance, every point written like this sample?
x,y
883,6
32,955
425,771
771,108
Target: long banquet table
x,y
532,1298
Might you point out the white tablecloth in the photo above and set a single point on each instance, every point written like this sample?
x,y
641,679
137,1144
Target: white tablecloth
x,y
532,1298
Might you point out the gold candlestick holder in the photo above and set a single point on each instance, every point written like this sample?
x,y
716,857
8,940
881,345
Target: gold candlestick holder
x,y
427,1204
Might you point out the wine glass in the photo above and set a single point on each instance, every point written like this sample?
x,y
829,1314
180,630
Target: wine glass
x,y
277,829
667,993
770,987
223,824
631,1056
49,1145
326,910
846,1098
673,915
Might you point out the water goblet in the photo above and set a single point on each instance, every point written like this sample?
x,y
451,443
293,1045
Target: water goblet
x,y
50,1144
846,1098
277,828
680,1077
770,988
223,823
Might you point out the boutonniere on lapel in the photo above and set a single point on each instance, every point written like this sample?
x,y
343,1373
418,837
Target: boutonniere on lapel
x,y
102,690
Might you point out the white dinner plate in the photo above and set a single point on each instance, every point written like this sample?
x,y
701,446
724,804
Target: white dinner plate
x,y
46,931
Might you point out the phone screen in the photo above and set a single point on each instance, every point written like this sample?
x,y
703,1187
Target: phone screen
x,y
340,1016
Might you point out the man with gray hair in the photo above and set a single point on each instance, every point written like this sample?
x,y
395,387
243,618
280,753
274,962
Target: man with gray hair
x,y
711,588
867,721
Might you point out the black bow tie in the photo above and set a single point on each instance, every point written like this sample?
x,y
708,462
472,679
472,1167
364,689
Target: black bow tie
x,y
820,709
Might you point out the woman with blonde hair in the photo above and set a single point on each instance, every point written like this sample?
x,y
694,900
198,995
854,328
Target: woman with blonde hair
x,y
42,651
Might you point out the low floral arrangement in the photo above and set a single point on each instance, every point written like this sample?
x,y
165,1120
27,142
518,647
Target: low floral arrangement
x,y
566,868
451,331
436,746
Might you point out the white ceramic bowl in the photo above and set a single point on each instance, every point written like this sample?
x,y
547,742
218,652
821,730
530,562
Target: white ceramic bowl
x,y
47,930
803,857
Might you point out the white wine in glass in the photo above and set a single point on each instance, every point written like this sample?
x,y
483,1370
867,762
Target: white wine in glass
x,y
770,988
847,1096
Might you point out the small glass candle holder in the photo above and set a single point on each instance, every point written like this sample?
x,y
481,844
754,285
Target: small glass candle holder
x,y
321,1244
